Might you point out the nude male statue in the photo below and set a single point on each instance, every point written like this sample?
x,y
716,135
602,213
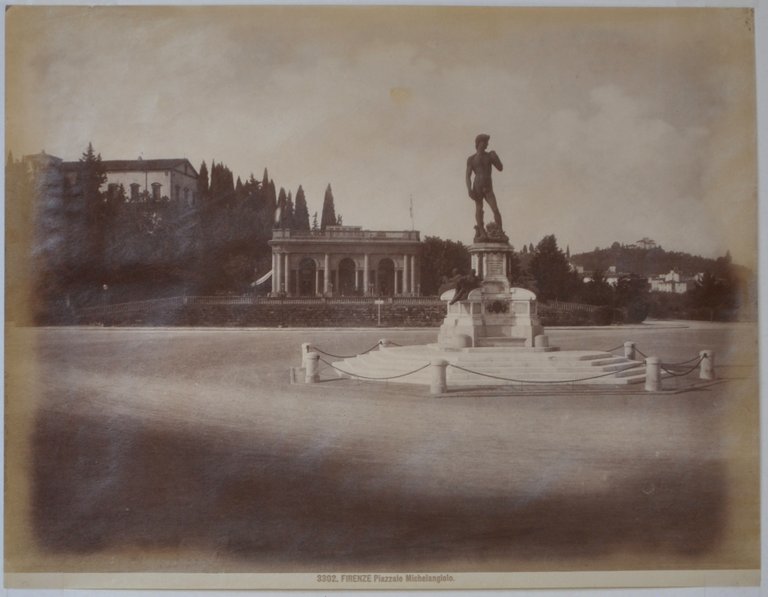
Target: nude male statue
x,y
479,164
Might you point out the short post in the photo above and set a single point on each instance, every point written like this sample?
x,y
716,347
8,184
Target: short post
x,y
707,369
312,374
541,341
652,374
438,384
304,352
383,343
629,350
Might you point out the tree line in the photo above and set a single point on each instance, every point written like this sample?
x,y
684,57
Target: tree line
x,y
719,293
87,243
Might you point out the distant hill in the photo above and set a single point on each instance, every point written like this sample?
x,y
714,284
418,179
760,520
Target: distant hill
x,y
654,260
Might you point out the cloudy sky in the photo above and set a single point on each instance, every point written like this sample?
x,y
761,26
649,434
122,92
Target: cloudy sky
x,y
612,124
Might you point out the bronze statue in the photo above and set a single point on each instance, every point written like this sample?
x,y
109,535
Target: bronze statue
x,y
480,164
460,283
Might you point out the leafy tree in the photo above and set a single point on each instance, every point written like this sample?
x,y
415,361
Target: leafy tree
x,y
597,291
301,214
315,225
712,294
328,217
438,259
549,268
515,272
632,295
222,189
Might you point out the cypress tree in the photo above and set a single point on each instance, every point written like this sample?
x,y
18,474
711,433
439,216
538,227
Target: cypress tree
x,y
239,190
300,213
202,182
280,221
289,211
328,217
91,176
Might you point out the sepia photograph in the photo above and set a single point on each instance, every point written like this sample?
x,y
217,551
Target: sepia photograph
x,y
381,297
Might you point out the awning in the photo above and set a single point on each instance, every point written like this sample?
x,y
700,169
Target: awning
x,y
263,279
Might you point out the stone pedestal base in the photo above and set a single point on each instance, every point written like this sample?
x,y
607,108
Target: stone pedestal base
x,y
489,319
494,314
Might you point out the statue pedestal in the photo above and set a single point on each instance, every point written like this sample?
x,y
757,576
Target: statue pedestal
x,y
494,314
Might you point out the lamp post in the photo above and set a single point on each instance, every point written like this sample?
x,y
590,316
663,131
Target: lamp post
x,y
104,296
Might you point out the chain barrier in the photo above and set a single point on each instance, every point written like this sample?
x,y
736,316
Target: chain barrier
x,y
680,364
373,378
615,348
632,366
663,366
691,370
350,356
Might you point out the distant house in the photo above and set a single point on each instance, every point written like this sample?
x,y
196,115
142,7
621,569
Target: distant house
x,y
673,281
645,243
173,178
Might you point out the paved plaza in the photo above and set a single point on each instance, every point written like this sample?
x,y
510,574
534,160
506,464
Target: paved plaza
x,y
188,450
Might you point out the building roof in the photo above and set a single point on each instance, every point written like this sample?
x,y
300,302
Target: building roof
x,y
138,165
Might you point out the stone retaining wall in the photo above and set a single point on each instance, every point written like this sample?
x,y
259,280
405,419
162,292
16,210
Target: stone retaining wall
x,y
319,315
301,315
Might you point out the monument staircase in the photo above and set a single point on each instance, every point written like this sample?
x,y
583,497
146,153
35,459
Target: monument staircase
x,y
494,365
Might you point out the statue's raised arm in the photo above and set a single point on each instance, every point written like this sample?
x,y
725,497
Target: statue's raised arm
x,y
496,161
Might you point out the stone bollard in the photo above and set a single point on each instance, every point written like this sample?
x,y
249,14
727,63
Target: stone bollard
x,y
541,341
707,369
304,352
383,343
652,374
312,374
438,384
629,350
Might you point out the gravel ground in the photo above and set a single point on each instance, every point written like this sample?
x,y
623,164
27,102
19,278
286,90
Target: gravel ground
x,y
188,450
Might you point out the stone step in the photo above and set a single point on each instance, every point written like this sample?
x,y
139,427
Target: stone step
x,y
621,366
630,372
611,361
392,360
549,358
383,369
512,365
631,379
592,355
500,341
